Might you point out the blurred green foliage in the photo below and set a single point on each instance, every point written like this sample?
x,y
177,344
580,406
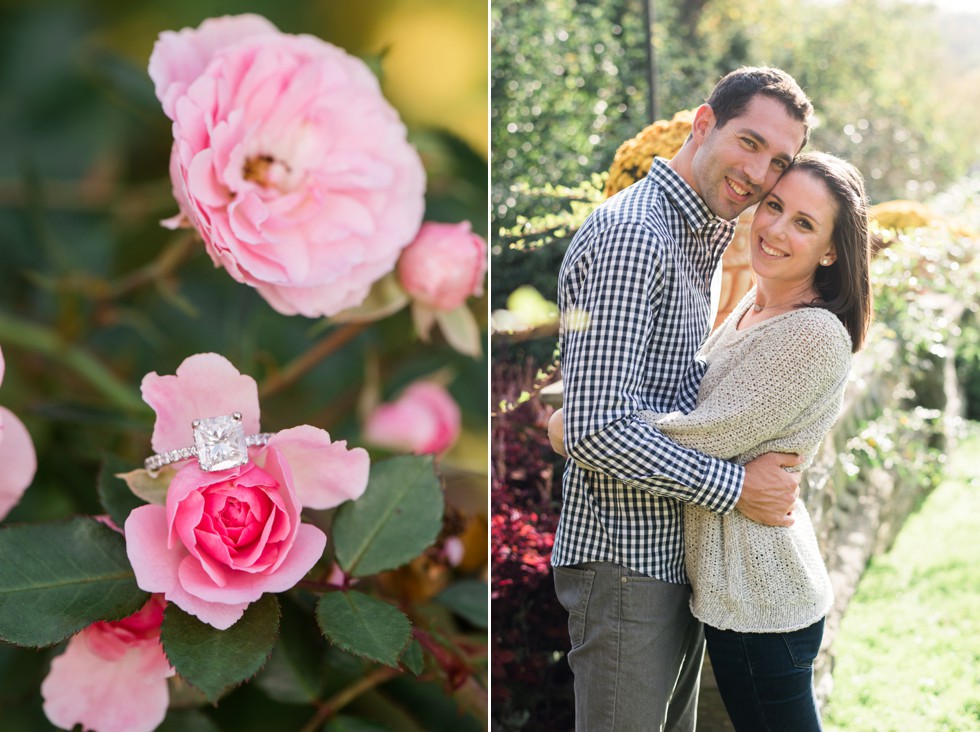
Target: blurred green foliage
x,y
94,293
891,81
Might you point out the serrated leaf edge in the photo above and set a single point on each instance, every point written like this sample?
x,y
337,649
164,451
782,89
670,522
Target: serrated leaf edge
x,y
351,569
214,699
346,647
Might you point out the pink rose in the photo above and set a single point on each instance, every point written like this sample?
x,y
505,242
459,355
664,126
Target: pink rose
x,y
224,539
288,161
112,677
17,457
424,419
227,536
444,265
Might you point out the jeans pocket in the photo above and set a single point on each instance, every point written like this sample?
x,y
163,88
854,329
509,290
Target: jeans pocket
x,y
804,645
573,585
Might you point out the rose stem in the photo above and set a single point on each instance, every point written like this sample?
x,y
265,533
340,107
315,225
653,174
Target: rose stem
x,y
17,332
169,259
345,696
293,370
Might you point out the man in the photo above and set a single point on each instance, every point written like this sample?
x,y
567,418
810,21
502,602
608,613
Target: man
x,y
634,294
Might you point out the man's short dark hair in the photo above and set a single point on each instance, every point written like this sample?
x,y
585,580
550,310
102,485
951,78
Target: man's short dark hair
x,y
733,93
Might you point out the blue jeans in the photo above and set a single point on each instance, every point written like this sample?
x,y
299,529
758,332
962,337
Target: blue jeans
x,y
766,679
636,649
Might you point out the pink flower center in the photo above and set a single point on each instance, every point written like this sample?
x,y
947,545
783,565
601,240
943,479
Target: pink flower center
x,y
267,171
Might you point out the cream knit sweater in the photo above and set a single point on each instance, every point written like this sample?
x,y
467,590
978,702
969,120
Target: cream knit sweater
x,y
776,386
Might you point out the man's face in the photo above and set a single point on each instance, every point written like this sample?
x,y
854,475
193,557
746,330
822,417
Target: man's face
x,y
735,166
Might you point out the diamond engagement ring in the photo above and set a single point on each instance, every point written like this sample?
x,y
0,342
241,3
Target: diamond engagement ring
x,y
220,443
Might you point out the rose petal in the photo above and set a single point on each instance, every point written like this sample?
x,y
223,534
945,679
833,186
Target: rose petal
x,y
18,459
202,183
245,587
205,385
125,695
325,473
154,565
180,58
216,614
314,301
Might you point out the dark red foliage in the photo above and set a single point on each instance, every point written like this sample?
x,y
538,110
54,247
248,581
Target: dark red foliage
x,y
530,679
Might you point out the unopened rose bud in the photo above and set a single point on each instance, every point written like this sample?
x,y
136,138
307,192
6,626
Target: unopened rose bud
x,y
424,419
444,265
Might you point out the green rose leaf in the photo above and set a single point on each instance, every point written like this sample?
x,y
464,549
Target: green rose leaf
x,y
398,516
468,599
116,497
56,579
215,660
363,625
294,673
413,659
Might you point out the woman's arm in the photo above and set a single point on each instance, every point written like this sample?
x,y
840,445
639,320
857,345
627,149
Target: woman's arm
x,y
776,394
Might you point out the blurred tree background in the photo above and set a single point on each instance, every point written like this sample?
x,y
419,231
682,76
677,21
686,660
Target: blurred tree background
x,y
893,83
94,293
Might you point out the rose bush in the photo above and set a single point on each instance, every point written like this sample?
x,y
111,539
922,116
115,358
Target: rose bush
x,y
423,419
291,172
226,537
288,161
17,456
112,677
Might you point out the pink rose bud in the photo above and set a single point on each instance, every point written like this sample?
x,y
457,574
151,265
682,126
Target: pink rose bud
x,y
112,676
444,265
424,419
16,455
289,162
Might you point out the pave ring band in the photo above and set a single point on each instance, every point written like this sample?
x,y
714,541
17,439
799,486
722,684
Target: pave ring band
x,y
220,443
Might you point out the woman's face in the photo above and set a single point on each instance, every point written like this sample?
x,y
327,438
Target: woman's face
x,y
792,229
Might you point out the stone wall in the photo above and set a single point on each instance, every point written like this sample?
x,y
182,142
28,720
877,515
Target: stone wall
x,y
859,515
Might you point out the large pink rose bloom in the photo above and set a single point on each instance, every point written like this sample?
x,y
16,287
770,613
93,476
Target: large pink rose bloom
x,y
444,265
112,676
288,161
223,539
424,419
226,537
17,457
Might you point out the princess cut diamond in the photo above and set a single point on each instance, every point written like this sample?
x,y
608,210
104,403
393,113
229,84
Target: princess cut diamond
x,y
220,442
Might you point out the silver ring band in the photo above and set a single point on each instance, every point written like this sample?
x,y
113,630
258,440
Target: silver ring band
x,y
220,443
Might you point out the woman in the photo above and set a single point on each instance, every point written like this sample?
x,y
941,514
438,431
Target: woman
x,y
776,372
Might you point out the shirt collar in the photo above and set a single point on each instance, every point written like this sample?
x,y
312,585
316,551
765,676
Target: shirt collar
x,y
695,211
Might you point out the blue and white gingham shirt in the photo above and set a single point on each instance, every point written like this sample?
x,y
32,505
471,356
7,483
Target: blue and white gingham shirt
x,y
634,295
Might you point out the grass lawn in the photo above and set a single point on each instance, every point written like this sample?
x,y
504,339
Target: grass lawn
x,y
908,653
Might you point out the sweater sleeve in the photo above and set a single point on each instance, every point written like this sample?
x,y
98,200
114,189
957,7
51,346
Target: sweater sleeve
x,y
780,391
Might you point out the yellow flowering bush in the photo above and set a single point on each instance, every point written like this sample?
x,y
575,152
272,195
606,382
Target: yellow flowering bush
x,y
900,215
633,158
